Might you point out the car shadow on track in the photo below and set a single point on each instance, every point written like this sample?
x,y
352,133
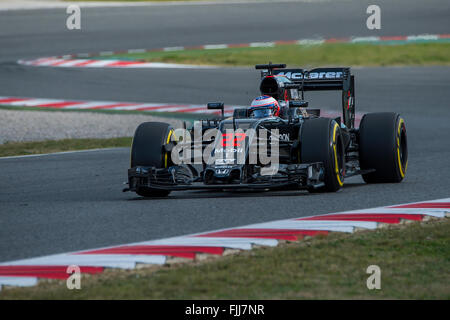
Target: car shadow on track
x,y
207,194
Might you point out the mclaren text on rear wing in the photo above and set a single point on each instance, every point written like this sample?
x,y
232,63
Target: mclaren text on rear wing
x,y
321,79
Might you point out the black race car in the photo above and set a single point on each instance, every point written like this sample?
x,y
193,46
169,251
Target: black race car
x,y
312,152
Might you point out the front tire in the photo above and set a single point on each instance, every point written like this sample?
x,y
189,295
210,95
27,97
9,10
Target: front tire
x,y
383,147
321,141
147,150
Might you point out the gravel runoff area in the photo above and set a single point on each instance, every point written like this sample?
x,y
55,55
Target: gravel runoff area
x,y
19,125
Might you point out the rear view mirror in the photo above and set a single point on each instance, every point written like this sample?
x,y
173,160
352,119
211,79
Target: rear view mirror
x,y
298,104
216,106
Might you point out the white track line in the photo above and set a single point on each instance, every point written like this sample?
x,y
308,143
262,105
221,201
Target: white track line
x,y
39,5
57,153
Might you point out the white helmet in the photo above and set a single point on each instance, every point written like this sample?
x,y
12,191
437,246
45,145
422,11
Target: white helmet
x,y
264,106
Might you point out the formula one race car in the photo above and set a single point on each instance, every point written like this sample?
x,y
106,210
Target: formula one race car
x,y
305,151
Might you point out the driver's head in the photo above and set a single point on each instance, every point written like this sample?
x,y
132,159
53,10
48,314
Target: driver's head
x,y
264,106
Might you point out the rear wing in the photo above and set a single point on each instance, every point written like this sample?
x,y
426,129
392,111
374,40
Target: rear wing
x,y
321,79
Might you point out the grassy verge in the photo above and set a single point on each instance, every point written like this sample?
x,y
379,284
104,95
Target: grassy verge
x,y
314,55
414,261
49,146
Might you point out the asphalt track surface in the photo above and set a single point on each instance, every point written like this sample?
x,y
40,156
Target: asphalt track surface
x,y
66,202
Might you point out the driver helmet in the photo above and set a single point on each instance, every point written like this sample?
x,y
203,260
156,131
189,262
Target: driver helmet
x,y
263,107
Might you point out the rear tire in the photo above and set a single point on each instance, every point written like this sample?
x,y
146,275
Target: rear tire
x,y
321,141
147,150
383,147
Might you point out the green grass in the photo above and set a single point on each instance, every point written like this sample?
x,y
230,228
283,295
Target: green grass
x,y
414,261
50,146
309,56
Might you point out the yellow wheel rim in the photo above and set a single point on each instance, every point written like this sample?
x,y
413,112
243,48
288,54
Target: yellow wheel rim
x,y
400,167
338,175
167,142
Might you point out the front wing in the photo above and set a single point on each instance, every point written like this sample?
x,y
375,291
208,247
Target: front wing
x,y
299,176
